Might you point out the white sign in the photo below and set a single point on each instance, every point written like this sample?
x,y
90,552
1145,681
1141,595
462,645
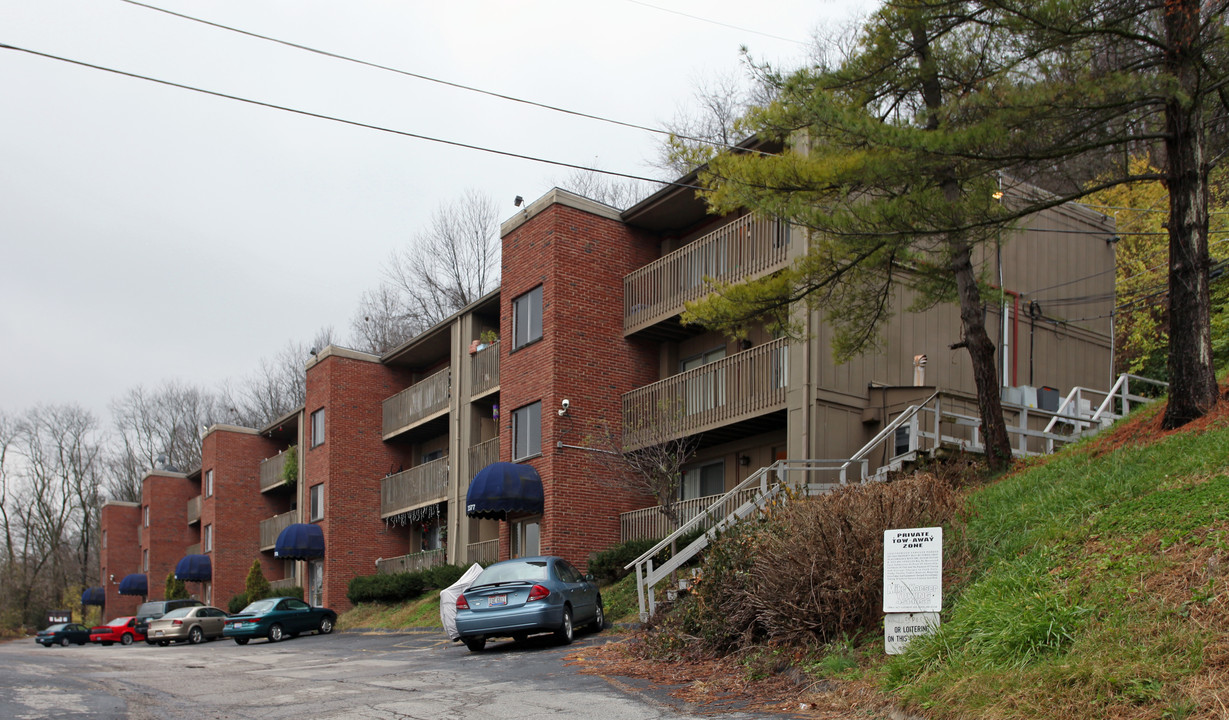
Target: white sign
x,y
900,628
913,570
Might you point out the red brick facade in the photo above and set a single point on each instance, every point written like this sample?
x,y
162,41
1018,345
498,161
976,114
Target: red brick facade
x,y
579,259
168,534
119,555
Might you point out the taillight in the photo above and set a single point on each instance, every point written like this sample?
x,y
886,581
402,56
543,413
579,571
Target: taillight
x,y
177,623
462,603
537,592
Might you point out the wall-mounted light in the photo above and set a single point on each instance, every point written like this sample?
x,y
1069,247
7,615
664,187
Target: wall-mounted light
x,y
519,201
744,460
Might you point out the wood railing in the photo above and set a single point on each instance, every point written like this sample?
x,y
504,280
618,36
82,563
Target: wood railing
x,y
651,524
483,454
482,552
484,370
272,469
270,528
414,488
194,510
283,584
743,249
735,388
417,402
193,549
411,563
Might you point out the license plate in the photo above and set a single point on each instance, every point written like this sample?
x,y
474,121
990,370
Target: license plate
x,y
157,632
497,600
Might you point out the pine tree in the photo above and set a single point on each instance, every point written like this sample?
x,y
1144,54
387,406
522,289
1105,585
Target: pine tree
x,y
257,586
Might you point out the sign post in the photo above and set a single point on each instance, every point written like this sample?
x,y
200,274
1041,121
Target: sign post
x,y
912,585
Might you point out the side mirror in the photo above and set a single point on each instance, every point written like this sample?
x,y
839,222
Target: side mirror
x,y
589,577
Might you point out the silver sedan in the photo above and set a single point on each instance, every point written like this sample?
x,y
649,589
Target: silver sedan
x,y
190,624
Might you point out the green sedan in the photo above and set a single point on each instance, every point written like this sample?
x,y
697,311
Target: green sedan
x,y
277,619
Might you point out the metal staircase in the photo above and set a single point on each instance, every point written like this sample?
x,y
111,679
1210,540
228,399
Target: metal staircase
x,y
927,427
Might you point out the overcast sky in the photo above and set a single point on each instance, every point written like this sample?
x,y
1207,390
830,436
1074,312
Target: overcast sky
x,y
152,233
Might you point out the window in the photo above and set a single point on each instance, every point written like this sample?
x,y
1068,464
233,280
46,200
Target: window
x,y
431,456
318,428
526,538
703,481
104,539
317,502
146,516
315,582
207,543
527,318
527,431
208,483
144,561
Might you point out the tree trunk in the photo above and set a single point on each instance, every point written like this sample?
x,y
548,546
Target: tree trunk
x,y
1192,376
981,354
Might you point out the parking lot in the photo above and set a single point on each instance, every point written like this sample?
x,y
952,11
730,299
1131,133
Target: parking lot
x,y
343,675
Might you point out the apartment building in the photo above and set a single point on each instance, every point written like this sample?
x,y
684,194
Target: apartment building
x,y
119,554
387,448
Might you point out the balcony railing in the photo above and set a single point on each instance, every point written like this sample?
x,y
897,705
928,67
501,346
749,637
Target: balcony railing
x,y
484,370
411,563
270,528
417,402
482,552
422,485
735,388
651,524
193,549
272,470
283,584
743,249
483,454
194,510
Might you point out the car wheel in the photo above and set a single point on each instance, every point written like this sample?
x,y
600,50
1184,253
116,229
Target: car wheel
x,y
195,636
275,633
475,644
241,641
126,639
64,642
326,625
151,642
599,617
564,633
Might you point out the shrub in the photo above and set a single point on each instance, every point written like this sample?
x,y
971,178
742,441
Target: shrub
x,y
400,587
290,470
607,565
237,603
175,588
257,586
441,576
294,591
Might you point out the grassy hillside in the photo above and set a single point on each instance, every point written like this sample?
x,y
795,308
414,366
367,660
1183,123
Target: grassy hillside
x,y
1096,586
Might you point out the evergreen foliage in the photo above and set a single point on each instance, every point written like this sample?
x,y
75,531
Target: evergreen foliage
x,y
256,585
175,588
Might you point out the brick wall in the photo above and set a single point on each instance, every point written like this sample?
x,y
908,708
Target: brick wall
x,y
579,259
236,508
350,464
120,556
168,535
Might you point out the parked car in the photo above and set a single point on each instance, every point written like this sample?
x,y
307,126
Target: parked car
x,y
278,618
188,624
63,634
157,608
122,630
518,598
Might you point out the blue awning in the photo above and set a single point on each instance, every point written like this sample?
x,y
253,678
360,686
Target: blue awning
x,y
502,488
94,596
134,584
194,568
300,541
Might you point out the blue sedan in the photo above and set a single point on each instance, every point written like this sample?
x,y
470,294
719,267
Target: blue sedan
x,y
276,619
521,597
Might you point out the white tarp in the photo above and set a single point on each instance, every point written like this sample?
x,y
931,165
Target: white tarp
x,y
448,600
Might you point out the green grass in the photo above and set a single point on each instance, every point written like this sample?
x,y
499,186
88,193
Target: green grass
x,y
1059,618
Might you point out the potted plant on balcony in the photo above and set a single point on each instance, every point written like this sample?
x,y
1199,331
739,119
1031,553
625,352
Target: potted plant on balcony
x,y
290,469
486,339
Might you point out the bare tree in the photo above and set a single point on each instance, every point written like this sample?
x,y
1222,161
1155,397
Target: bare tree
x,y
278,386
383,321
164,421
607,189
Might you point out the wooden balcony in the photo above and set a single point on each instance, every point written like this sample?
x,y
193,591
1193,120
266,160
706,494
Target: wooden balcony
x,y
272,469
193,549
194,510
283,584
483,454
411,563
482,552
484,370
270,528
423,485
730,390
743,249
650,524
420,401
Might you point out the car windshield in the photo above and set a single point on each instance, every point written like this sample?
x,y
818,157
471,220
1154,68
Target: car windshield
x,y
119,622
149,609
512,572
258,607
54,628
181,612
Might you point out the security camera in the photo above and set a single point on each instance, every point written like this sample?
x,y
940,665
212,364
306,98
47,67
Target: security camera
x,y
566,404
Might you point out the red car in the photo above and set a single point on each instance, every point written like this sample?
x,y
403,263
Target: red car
x,y
121,630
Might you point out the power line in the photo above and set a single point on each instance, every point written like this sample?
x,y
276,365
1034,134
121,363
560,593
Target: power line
x,y
716,22
344,121
428,78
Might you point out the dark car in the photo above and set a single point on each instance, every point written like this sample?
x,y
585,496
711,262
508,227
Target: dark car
x,y
518,598
157,608
63,634
278,618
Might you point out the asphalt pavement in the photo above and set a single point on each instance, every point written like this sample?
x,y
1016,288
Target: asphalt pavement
x,y
390,676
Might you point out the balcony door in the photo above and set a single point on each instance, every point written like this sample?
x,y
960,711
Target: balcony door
x,y
704,390
315,582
